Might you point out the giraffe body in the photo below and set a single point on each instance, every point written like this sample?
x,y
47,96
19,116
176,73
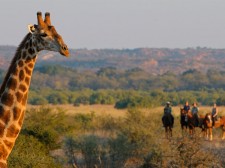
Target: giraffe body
x,y
15,87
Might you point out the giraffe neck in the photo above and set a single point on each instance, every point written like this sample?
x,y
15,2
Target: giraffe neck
x,y
13,95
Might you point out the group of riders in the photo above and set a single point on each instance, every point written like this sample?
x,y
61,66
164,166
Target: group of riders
x,y
194,111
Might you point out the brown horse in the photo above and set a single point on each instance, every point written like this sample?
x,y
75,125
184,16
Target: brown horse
x,y
168,124
220,123
193,122
208,123
183,119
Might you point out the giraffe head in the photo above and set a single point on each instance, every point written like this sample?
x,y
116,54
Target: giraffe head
x,y
46,36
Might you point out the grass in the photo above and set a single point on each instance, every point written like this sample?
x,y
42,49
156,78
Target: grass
x,y
103,127
110,110
86,109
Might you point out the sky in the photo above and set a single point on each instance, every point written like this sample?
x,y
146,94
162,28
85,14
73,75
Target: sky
x,y
120,24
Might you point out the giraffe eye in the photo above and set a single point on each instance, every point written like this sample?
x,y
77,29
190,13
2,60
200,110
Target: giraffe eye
x,y
43,35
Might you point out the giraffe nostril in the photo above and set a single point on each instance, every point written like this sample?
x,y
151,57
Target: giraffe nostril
x,y
64,47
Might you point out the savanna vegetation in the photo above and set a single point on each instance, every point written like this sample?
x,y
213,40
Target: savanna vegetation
x,y
124,88
54,137
60,85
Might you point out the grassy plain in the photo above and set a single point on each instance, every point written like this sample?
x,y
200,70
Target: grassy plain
x,y
110,110
102,128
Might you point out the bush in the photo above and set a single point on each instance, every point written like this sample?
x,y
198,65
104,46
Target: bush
x,y
29,152
45,125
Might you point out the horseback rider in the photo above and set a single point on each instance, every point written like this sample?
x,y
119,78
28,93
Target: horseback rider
x,y
168,112
186,107
194,112
214,113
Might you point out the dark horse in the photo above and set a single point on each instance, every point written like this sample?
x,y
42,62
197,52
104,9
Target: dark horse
x,y
167,120
183,119
193,122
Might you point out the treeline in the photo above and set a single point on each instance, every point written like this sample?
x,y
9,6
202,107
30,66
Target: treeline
x,y
124,88
125,99
58,77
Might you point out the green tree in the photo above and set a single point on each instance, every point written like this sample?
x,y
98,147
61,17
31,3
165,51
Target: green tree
x,y
30,152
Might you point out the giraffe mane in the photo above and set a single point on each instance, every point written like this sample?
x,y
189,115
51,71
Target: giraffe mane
x,y
17,54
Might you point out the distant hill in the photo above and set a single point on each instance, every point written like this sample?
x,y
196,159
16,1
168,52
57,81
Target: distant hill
x,y
153,60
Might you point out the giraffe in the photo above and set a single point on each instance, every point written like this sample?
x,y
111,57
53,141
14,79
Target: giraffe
x,y
15,87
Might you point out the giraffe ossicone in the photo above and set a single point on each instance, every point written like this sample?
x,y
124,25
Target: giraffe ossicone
x,y
15,87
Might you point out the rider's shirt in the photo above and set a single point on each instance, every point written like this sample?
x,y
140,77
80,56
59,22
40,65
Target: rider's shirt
x,y
186,108
167,110
194,110
214,111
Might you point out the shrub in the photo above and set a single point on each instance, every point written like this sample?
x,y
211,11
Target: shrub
x,y
45,125
29,152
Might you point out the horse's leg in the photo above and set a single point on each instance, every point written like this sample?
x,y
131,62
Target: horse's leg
x,y
206,133
171,133
201,135
190,132
166,132
223,133
210,134
182,129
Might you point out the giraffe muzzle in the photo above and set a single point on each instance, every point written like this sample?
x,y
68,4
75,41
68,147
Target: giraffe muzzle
x,y
64,51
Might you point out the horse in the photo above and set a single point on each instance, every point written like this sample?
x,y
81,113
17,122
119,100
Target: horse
x,y
220,123
208,123
167,121
193,122
183,119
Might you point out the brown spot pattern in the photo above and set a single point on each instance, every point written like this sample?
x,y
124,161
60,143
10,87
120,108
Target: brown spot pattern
x,y
27,80
12,83
7,99
2,127
27,45
20,63
19,96
8,144
20,122
3,154
19,55
16,113
24,54
28,71
31,65
12,131
31,51
3,165
30,43
22,87
28,60
21,75
5,116
1,109
35,43
24,102
16,72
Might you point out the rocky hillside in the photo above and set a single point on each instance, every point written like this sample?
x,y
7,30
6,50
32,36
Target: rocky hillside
x,y
154,60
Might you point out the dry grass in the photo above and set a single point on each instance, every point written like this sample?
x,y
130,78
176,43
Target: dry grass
x,y
169,148
110,110
86,109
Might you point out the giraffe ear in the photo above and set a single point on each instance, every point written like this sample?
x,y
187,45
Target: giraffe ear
x,y
31,28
